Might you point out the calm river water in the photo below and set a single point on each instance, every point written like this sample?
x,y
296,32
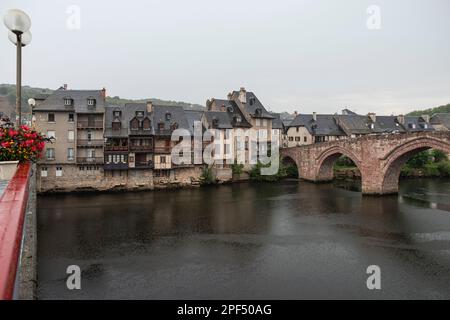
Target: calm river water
x,y
287,240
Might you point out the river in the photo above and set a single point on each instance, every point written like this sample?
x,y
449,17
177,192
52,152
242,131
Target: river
x,y
285,240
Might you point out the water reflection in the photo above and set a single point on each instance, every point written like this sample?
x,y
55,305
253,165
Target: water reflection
x,y
285,240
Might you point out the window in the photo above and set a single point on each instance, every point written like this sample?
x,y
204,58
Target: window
x,y
71,117
291,138
161,126
139,113
297,138
70,135
163,159
51,117
297,129
146,124
304,139
43,171
89,136
50,154
258,122
134,124
116,125
117,113
91,153
168,116
67,101
70,154
91,102
58,171
51,134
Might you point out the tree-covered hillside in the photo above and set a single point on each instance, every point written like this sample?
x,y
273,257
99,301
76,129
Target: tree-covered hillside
x,y
431,111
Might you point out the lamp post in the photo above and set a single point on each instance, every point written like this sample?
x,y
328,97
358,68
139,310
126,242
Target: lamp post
x,y
18,23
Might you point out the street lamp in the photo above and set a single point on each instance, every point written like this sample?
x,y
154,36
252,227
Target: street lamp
x,y
19,23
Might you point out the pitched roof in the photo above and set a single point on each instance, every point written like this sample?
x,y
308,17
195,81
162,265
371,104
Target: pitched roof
x,y
55,101
325,124
441,118
358,124
277,123
416,123
253,104
389,124
192,116
237,119
168,116
218,120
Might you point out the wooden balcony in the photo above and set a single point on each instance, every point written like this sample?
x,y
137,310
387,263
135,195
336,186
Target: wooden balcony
x,y
90,160
141,148
163,149
85,124
90,143
116,148
144,165
115,166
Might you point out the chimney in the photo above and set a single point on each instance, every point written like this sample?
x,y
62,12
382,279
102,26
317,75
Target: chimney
x,y
149,107
104,94
314,116
426,117
372,116
65,86
401,119
295,113
242,95
229,95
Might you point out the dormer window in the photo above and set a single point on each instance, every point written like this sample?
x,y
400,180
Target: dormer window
x,y
146,124
68,101
215,122
425,126
161,126
258,111
134,124
139,113
117,113
91,102
230,109
238,119
252,101
371,126
168,116
116,125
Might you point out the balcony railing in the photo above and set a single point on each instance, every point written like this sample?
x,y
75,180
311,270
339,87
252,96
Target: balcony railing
x,y
82,124
116,148
144,165
90,143
141,148
163,149
90,160
115,166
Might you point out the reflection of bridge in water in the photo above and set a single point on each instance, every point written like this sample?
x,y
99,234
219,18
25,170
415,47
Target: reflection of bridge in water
x,y
379,158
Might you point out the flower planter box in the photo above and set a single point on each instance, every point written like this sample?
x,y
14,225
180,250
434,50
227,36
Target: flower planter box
x,y
7,169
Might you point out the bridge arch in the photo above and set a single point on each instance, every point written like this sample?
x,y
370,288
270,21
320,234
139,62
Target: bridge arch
x,y
326,160
293,169
396,159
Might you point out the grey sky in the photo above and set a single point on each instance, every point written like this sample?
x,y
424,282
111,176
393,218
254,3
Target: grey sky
x,y
295,55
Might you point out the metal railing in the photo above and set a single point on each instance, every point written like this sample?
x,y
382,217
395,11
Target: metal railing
x,y
116,148
141,148
13,204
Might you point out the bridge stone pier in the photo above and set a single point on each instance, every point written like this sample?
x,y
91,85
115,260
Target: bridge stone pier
x,y
379,158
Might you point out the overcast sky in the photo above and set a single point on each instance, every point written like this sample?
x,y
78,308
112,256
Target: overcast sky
x,y
295,55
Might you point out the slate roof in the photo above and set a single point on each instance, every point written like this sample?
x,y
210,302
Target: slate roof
x,y
442,119
389,124
325,125
168,115
416,123
55,101
192,116
277,123
357,124
218,120
253,103
234,113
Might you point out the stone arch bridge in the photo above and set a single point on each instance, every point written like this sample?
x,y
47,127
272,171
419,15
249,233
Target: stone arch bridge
x,y
379,158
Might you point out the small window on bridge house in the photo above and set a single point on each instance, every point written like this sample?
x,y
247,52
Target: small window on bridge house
x,y
44,172
134,124
58,171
